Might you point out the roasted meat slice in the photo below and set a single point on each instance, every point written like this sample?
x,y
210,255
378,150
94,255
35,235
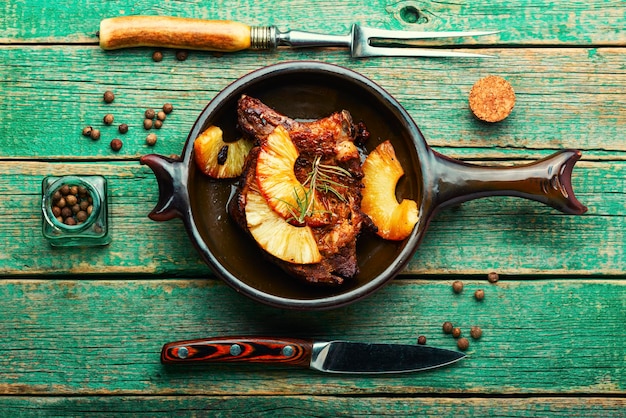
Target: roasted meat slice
x,y
330,143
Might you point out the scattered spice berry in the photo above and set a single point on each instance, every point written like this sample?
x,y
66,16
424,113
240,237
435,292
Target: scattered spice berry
x,y
108,96
147,124
149,113
463,344
447,327
161,115
457,286
95,134
421,340
476,332
108,119
116,144
167,108
123,128
157,56
456,332
87,131
181,55
158,124
151,139
493,277
479,294
68,202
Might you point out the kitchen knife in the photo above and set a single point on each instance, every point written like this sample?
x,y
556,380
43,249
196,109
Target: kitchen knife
x,y
325,356
230,36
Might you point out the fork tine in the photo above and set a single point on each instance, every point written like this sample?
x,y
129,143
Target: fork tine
x,y
379,51
386,34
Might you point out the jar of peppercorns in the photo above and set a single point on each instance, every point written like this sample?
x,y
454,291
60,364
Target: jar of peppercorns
x,y
74,210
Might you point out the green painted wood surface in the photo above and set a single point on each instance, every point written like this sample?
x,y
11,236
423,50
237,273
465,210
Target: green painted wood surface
x,y
81,329
539,336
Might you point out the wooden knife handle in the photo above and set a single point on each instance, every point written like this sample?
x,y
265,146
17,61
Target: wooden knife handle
x,y
173,32
289,351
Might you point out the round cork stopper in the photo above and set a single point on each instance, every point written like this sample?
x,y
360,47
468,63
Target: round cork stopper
x,y
492,99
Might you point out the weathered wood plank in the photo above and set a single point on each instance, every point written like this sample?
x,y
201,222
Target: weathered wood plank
x,y
90,338
566,98
312,406
545,23
512,236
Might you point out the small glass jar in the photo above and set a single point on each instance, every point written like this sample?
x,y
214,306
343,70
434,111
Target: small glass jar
x,y
86,205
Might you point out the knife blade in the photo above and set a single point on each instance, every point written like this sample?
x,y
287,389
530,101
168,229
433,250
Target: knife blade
x,y
324,356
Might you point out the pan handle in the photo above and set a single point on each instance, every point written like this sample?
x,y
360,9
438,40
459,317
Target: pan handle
x,y
171,175
547,181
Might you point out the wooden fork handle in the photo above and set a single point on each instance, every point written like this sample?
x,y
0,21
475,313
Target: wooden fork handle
x,y
174,32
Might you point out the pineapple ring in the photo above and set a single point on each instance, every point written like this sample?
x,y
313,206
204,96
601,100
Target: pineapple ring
x,y
382,170
276,178
277,236
207,148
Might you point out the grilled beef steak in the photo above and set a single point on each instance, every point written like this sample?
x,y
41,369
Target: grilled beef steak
x,y
332,141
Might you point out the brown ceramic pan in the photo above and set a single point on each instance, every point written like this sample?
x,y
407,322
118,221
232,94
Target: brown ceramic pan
x,y
311,90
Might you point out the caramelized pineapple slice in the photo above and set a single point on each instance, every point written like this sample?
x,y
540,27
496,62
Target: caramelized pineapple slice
x,y
382,170
217,158
277,181
278,237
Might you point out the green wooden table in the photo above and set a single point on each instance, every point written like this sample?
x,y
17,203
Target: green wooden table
x,y
81,328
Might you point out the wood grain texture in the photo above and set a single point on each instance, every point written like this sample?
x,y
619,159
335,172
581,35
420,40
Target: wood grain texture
x,y
85,337
50,104
511,236
313,406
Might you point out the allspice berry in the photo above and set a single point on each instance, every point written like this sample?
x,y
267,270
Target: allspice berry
x,y
123,128
447,327
157,56
108,119
87,131
457,286
181,55
167,108
157,124
421,340
493,277
116,144
463,344
479,294
476,332
147,124
151,139
95,134
108,96
456,332
161,115
149,113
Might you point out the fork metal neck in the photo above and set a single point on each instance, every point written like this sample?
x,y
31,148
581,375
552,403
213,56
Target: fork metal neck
x,y
269,37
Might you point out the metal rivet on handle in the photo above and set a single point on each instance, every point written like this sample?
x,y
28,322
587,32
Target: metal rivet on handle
x,y
183,352
235,350
287,351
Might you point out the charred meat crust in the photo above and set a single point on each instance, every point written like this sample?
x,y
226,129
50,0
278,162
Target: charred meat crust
x,y
333,139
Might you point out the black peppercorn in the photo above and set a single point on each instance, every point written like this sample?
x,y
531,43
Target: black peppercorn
x,y
147,124
476,332
87,131
463,344
116,144
150,113
457,286
456,332
493,277
109,96
421,340
151,139
108,119
161,115
447,327
167,108
123,128
157,56
181,55
95,134
479,294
